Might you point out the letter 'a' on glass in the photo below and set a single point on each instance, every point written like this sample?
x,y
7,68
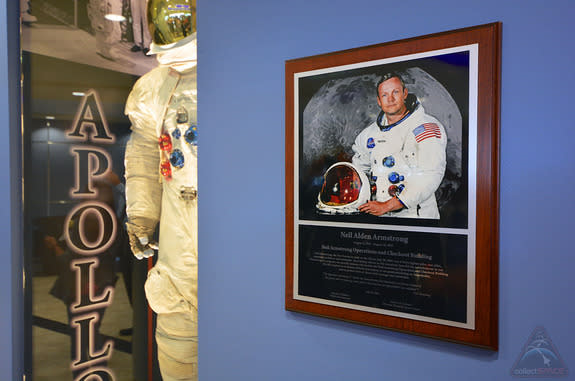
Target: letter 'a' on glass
x,y
170,21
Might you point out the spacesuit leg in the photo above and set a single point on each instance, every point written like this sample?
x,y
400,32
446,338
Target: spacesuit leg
x,y
140,29
177,339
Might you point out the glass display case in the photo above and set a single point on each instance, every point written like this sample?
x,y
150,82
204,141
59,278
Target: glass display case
x,y
86,308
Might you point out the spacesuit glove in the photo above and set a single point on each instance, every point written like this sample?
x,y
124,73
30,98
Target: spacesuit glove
x,y
140,231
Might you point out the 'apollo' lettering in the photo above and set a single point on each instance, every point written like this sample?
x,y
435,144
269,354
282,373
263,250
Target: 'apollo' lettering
x,y
90,228
90,115
87,355
90,162
96,374
84,269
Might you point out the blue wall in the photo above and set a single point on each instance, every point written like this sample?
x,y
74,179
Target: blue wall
x,y
245,332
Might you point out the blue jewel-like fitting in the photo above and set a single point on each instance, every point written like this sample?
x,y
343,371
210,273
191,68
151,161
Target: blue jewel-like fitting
x,y
176,133
191,135
389,161
395,177
177,158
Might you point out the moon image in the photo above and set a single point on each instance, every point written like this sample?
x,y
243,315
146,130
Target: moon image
x,y
343,107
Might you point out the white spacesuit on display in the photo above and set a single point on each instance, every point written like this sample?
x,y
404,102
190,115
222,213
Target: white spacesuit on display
x,y
161,185
406,159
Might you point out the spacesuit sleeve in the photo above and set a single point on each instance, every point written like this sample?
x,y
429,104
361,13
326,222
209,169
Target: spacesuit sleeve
x,y
142,160
361,156
427,160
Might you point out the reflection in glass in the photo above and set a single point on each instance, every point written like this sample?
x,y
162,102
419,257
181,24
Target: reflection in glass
x,y
170,20
75,184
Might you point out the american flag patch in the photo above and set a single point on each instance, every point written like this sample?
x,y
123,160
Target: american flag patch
x,y
427,130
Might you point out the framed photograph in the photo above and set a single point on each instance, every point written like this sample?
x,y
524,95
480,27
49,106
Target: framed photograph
x,y
392,185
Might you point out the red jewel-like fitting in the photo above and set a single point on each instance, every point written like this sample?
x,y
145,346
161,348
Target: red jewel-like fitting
x,y
166,169
165,142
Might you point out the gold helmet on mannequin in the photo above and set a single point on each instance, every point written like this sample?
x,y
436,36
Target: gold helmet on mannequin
x,y
171,21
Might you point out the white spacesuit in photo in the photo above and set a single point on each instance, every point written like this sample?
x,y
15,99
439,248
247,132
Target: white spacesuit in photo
x,y
161,186
406,160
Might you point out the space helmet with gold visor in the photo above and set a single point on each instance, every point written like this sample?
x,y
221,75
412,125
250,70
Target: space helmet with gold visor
x,y
172,23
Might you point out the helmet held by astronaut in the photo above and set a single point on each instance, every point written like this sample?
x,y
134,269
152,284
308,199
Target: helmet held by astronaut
x,y
344,189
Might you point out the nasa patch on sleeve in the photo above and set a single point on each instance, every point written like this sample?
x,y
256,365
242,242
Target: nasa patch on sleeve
x,y
370,143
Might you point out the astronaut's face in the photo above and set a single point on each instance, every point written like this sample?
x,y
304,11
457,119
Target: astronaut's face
x,y
391,98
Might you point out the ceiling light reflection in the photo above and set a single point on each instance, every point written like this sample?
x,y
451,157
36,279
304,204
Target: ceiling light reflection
x,y
113,17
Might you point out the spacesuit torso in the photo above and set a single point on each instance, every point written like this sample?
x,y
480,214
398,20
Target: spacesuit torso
x,y
161,179
165,122
406,160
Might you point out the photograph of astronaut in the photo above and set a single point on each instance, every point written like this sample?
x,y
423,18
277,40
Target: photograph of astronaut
x,y
386,140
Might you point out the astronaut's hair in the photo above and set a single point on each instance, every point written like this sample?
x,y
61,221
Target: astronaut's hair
x,y
387,76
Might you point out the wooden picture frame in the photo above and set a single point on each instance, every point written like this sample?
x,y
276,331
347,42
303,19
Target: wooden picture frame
x,y
430,276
